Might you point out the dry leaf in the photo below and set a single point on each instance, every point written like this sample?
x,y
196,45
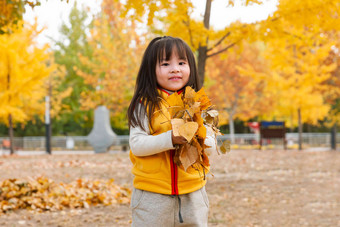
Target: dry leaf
x,y
202,132
188,130
197,144
203,99
205,159
175,103
189,93
176,123
213,113
43,194
177,154
209,120
188,156
192,110
186,113
225,147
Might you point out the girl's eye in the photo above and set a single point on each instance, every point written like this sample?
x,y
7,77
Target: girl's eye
x,y
182,63
164,64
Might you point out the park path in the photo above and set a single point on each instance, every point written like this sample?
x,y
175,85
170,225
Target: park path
x,y
249,188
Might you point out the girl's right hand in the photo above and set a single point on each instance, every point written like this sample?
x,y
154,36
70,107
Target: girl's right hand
x,y
178,139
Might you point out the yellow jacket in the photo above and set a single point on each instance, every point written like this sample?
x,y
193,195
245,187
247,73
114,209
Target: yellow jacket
x,y
157,172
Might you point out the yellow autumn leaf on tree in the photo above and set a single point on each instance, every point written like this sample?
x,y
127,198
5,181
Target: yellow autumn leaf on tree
x,y
24,67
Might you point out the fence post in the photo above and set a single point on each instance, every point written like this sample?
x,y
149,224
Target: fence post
x,y
333,138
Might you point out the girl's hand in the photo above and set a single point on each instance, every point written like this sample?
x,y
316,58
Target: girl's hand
x,y
178,139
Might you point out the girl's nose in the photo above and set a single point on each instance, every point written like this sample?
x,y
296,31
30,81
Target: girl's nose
x,y
175,69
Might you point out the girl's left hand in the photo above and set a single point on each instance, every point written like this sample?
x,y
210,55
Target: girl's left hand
x,y
178,139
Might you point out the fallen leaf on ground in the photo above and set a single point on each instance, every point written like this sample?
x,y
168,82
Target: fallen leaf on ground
x,y
44,194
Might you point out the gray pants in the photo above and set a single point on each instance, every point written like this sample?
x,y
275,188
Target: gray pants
x,y
152,209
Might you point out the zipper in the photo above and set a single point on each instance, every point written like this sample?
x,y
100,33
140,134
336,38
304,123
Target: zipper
x,y
174,174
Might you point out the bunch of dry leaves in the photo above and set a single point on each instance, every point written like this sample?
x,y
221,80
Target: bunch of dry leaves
x,y
43,194
193,117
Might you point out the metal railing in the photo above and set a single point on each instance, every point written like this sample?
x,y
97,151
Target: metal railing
x,y
242,141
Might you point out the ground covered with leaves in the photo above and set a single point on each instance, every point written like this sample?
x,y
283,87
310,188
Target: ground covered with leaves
x,y
249,188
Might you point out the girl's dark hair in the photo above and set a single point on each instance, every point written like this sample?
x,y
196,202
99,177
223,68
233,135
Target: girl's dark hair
x,y
146,84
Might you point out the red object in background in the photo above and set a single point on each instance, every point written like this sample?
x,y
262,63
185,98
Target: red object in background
x,y
254,126
6,143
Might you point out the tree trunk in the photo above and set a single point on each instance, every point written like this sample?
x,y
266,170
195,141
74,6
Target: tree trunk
x,y
10,132
202,58
231,129
203,49
300,129
10,122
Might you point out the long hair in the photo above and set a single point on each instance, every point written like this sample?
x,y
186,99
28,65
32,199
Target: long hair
x,y
146,84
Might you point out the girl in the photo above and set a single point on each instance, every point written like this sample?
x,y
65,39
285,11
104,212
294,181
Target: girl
x,y
164,194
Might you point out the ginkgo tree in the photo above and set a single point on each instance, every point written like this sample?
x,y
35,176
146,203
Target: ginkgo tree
x,y
11,12
167,17
24,68
297,48
234,93
292,22
117,51
333,95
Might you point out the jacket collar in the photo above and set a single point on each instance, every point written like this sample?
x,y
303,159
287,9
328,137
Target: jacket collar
x,y
170,92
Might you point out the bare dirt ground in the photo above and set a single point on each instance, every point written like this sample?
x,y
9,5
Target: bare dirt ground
x,y
249,188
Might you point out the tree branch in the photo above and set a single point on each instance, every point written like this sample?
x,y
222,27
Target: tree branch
x,y
220,41
224,49
187,23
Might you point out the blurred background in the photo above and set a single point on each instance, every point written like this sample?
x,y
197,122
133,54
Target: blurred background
x,y
270,60
270,67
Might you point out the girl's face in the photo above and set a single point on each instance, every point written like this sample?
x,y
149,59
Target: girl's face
x,y
172,74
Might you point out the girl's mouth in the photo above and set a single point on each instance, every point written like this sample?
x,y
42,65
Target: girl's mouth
x,y
174,78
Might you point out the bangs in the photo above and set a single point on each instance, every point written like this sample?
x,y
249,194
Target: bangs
x,y
168,46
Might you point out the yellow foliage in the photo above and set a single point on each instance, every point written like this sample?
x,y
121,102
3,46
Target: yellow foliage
x,y
239,78
117,49
23,71
299,75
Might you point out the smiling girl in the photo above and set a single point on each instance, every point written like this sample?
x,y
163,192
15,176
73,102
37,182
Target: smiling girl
x,y
164,194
